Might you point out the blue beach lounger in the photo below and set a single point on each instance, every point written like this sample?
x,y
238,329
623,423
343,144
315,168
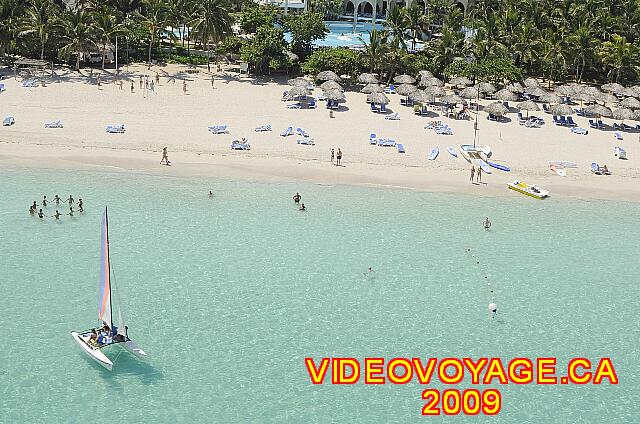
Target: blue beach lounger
x,y
263,128
218,129
617,135
400,148
294,106
8,121
374,108
287,132
116,129
302,132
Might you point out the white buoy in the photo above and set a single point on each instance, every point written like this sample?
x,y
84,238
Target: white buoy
x,y
493,308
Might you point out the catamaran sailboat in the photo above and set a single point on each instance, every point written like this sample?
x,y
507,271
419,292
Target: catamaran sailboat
x,y
107,334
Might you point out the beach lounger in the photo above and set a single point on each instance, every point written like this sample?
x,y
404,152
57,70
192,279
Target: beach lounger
x,y
383,108
571,122
8,121
312,103
238,145
386,143
218,129
400,148
306,141
556,120
620,152
393,117
287,132
2,88
263,128
29,83
595,168
616,126
626,127
617,135
374,108
302,132
56,124
592,124
546,108
601,125
434,153
115,129
579,130
294,106
390,90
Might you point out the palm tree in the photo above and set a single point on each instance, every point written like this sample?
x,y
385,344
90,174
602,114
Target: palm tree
x,y
583,48
212,23
618,54
78,35
417,23
106,26
40,20
176,18
9,13
154,19
375,49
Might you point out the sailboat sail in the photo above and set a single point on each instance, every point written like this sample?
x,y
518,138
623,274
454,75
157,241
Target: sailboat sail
x,y
104,299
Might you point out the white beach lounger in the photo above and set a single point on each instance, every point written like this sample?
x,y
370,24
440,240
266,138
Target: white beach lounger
x,y
116,129
218,129
395,116
8,121
263,128
56,124
238,145
306,141
294,106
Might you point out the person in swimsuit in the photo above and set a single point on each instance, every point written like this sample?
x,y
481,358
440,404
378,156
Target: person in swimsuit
x,y
132,88
57,199
70,200
338,157
210,194
80,205
70,211
44,201
165,156
296,198
41,214
32,210
333,155
302,207
57,214
94,337
473,173
34,206
479,175
487,223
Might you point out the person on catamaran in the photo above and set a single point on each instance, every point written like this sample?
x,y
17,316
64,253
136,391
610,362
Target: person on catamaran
x,y
93,339
487,223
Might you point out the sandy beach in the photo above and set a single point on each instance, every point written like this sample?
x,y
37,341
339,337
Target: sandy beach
x,y
167,117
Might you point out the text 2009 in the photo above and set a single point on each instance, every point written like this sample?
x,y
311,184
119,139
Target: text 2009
x,y
469,402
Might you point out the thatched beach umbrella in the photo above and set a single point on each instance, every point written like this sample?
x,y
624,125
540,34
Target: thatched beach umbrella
x,y
433,81
328,76
298,91
331,85
584,96
631,103
335,95
531,82
486,87
506,95
435,90
613,87
420,96
550,98
598,110
561,110
629,92
496,108
607,98
529,105
404,79
452,99
565,90
636,115
377,98
622,114
298,82
405,89
535,91
470,93
515,87
372,88
367,79
422,75
460,81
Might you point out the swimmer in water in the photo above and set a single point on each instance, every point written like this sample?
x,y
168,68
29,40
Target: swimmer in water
x,y
41,214
32,210
44,201
487,223
70,211
210,194
34,206
80,205
296,198
70,200
370,269
302,207
57,215
57,199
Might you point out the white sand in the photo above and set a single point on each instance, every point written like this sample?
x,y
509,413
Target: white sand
x,y
169,118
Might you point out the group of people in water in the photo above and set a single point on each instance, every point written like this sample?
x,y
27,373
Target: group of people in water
x,y
296,200
35,210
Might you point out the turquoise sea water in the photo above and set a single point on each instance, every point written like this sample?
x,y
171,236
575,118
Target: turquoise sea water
x,y
229,295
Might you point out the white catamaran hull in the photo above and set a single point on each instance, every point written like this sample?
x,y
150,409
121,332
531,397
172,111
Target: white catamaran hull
x,y
95,354
134,348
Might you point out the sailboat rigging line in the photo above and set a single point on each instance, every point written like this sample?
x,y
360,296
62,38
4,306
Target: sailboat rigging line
x,y
106,217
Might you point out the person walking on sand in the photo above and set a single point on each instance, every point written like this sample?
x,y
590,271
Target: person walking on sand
x,y
212,79
479,174
338,157
140,82
157,79
473,173
333,155
165,156
153,86
184,87
132,86
120,84
99,81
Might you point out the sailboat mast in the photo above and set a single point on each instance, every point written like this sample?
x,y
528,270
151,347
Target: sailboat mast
x,y
475,124
106,217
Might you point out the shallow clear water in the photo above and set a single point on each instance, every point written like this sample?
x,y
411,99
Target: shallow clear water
x,y
228,296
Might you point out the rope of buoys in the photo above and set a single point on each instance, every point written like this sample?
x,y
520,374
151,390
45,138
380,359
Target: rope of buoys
x,y
492,306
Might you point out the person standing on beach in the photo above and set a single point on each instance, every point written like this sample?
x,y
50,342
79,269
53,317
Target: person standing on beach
x,y
473,173
132,86
120,84
184,87
140,82
153,86
98,80
338,157
165,156
333,155
157,79
479,175
212,79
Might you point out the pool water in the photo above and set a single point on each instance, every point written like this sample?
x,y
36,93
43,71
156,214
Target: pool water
x,y
344,34
229,295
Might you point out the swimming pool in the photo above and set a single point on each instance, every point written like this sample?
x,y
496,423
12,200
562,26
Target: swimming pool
x,y
344,34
